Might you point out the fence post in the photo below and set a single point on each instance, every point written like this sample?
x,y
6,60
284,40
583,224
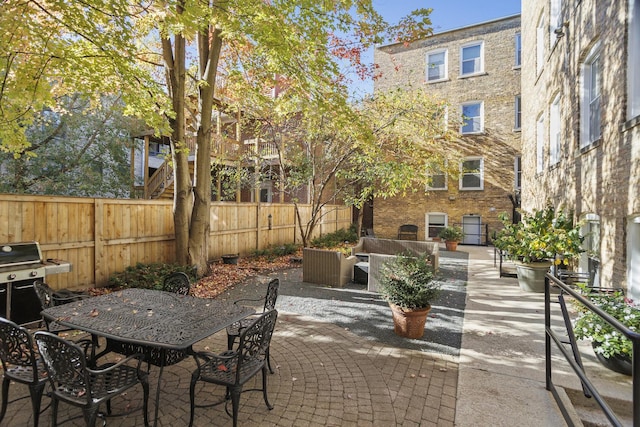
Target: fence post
x,y
99,275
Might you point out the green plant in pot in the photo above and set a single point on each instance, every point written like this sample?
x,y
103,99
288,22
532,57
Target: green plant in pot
x,y
407,283
611,347
540,238
451,235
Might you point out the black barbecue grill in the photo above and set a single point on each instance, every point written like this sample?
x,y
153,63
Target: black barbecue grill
x,y
21,265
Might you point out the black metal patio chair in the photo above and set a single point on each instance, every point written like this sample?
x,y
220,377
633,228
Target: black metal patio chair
x,y
234,368
269,303
177,283
22,364
74,383
49,298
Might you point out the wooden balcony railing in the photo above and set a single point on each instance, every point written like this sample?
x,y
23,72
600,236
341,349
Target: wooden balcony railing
x,y
159,181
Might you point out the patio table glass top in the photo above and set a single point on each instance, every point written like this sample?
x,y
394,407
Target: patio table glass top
x,y
149,317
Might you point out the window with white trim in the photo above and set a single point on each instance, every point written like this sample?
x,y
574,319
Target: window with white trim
x,y
437,65
472,173
518,46
633,60
436,221
518,113
555,21
472,117
540,30
590,115
540,144
554,131
517,172
472,59
437,178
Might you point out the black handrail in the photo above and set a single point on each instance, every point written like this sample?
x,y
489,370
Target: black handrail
x,y
549,335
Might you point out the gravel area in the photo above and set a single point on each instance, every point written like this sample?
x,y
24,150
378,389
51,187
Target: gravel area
x,y
365,313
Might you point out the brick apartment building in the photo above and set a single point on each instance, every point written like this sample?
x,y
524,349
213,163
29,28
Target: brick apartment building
x,y
476,70
581,126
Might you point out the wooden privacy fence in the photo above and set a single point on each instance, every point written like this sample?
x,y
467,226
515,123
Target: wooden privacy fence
x,y
104,236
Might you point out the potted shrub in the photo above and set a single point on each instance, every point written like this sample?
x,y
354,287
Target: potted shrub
x,y
452,236
540,238
611,347
406,283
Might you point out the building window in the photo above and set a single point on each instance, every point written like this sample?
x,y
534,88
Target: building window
x,y
436,221
437,66
437,178
517,169
590,258
555,21
540,144
633,73
518,50
472,174
554,132
472,117
518,113
540,46
590,108
471,59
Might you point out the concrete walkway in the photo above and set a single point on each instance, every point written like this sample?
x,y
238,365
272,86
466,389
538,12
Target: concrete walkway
x,y
327,375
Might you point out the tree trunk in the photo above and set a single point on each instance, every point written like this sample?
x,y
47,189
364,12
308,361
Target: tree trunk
x,y
209,45
174,58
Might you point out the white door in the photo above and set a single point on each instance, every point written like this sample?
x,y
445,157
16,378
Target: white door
x,y
472,229
633,258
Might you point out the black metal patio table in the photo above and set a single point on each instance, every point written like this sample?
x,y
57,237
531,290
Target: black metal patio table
x,y
154,319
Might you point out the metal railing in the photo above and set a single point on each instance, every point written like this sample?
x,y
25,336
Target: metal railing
x,y
499,260
574,359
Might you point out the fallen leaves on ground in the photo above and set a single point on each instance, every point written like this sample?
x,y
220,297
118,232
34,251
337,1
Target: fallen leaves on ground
x,y
225,276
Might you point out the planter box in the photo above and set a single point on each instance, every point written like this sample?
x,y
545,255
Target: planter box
x,y
325,267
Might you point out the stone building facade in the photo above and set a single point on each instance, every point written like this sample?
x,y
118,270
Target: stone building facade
x,y
476,71
581,126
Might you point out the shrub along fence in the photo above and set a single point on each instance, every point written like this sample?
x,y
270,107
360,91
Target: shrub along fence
x,y
103,236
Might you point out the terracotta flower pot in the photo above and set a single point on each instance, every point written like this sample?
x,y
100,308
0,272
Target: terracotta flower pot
x,y
409,323
451,246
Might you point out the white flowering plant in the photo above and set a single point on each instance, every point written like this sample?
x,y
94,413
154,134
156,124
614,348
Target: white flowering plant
x,y
607,340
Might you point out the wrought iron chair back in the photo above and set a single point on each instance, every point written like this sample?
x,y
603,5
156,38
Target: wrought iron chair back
x,y
48,298
75,383
233,331
67,367
20,363
254,343
272,295
177,283
233,369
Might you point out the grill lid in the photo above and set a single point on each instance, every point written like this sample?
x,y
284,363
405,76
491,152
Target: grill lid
x,y
20,254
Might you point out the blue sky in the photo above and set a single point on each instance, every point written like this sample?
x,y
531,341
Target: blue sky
x,y
446,15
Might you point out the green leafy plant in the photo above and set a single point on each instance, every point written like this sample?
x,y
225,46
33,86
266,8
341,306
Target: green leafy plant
x,y
337,238
407,281
607,340
148,276
451,234
276,251
540,236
